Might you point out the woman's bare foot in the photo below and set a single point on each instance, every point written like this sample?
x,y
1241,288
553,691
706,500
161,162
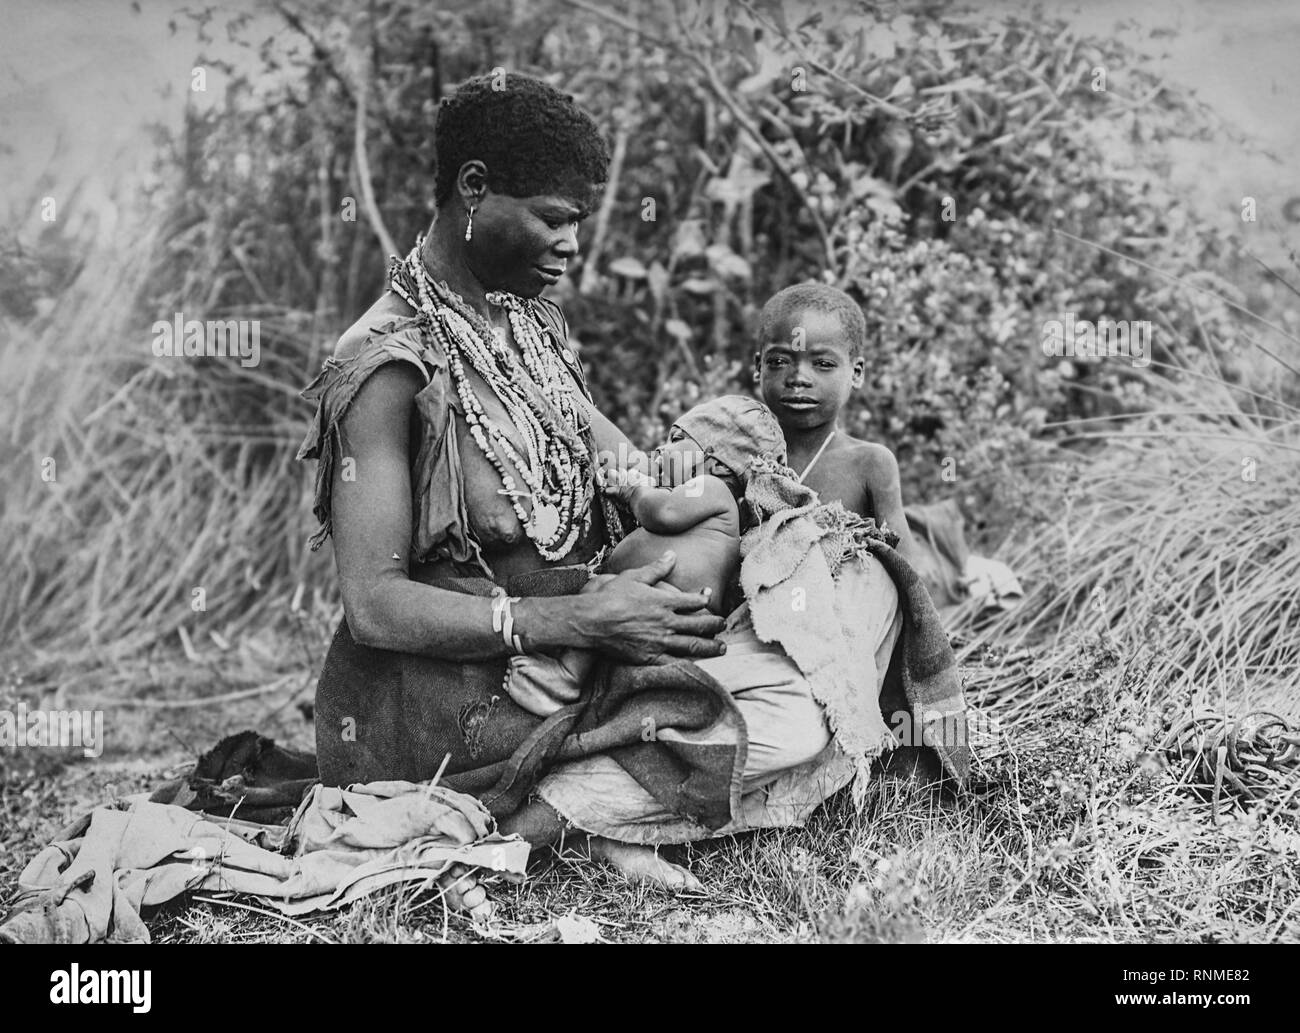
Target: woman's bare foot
x,y
642,864
462,893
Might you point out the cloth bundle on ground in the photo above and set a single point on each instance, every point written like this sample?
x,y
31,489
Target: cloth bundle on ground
x,y
951,572
91,883
245,773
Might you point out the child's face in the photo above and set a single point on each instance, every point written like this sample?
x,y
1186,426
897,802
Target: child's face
x,y
677,460
680,458
805,372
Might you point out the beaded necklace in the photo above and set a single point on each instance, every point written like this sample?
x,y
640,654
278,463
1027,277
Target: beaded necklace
x,y
537,394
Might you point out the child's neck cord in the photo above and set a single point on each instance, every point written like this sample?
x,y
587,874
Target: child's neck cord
x,y
813,462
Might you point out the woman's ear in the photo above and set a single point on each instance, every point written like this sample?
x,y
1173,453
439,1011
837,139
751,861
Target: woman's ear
x,y
471,183
758,366
859,371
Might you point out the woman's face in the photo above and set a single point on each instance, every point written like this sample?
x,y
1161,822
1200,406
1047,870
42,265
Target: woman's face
x,y
524,244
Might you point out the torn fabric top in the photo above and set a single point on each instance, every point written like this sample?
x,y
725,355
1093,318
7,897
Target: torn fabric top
x,y
443,527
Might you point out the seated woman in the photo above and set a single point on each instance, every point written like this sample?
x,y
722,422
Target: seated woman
x,y
457,448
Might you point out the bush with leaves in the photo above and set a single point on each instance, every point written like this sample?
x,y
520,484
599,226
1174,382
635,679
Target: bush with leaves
x,y
941,167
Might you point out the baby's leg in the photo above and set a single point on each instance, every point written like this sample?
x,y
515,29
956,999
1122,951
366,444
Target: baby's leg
x,y
634,551
543,684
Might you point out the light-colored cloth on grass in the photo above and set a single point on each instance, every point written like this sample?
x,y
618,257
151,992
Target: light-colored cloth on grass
x,y
90,884
952,573
992,584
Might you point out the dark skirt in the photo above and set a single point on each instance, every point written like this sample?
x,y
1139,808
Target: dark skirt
x,y
387,715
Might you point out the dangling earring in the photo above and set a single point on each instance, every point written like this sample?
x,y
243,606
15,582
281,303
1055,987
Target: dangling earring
x,y
469,224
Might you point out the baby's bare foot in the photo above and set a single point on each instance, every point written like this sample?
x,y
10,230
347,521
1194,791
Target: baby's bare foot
x,y
541,684
642,864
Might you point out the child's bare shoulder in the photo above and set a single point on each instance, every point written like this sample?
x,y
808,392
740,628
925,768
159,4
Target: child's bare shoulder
x,y
874,461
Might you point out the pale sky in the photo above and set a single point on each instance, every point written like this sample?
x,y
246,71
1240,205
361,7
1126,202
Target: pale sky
x,y
79,82
79,78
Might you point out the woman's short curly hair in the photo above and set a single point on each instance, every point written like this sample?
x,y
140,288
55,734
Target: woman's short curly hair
x,y
532,138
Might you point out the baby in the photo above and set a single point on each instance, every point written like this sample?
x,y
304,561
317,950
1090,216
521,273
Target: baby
x,y
702,470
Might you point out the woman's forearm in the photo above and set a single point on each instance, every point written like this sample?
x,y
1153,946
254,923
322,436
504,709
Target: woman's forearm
x,y
409,617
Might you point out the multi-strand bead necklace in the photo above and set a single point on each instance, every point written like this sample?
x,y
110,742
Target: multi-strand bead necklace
x,y
536,394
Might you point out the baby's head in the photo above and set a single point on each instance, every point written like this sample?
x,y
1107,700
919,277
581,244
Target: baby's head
x,y
721,437
812,342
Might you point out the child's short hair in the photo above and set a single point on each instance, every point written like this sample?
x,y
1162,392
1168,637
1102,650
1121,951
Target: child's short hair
x,y
819,297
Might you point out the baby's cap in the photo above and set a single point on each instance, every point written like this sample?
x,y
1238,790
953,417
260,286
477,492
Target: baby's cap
x,y
734,430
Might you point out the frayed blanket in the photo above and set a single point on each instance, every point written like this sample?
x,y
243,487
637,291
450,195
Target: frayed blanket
x,y
789,569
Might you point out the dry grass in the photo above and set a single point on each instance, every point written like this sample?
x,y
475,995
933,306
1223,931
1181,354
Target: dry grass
x,y
169,476
1160,586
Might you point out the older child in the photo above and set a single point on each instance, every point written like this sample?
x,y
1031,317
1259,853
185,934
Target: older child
x,y
702,469
810,359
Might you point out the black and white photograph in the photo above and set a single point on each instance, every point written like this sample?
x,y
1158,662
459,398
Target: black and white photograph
x,y
651,472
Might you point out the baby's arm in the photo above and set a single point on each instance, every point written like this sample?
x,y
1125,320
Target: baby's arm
x,y
674,510
880,471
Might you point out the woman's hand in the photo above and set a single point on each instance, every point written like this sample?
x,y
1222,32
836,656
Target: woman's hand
x,y
632,617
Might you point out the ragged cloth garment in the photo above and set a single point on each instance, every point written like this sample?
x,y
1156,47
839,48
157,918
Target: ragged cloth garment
x,y
792,762
789,566
443,527
91,883
406,713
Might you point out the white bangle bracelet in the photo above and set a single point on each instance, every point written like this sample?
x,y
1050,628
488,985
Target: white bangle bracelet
x,y
508,626
498,604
